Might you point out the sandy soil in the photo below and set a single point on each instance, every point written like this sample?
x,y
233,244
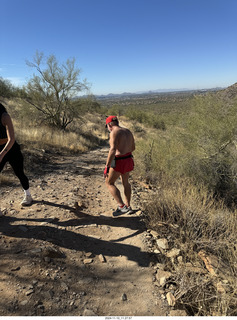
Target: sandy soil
x,y
66,254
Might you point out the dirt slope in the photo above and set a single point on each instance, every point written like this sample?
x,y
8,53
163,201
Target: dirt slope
x,y
66,254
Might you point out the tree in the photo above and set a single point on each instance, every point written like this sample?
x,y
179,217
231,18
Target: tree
x,y
53,89
6,88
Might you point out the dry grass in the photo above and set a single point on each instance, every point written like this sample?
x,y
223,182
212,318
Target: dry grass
x,y
46,137
193,221
5,180
85,135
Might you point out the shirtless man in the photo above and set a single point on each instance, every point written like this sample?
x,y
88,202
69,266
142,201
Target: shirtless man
x,y
119,163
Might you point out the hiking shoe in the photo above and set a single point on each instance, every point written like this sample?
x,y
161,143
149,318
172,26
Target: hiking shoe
x,y
27,201
120,211
130,210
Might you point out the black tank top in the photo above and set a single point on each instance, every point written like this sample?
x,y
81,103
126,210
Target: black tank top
x,y
3,131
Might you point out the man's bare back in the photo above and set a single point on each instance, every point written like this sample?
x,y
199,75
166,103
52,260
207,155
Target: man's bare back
x,y
122,140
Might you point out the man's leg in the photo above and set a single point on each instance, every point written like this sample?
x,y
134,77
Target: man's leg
x,y
127,188
110,181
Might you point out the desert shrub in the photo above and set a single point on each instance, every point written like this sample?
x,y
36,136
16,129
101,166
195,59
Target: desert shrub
x,y
84,105
7,90
201,146
115,109
193,221
145,118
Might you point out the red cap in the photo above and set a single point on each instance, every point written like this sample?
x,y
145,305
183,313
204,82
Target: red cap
x,y
110,119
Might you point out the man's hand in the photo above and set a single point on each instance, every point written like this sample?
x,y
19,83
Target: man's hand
x,y
106,171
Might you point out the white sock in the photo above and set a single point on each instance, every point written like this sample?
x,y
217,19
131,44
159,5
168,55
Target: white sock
x,y
27,192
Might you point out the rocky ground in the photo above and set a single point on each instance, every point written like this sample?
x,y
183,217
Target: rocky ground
x,y
66,254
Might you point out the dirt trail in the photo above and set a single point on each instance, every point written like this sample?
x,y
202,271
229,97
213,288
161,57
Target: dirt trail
x,y
52,252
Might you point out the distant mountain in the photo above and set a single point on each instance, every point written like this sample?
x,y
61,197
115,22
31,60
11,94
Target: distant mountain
x,y
150,92
230,92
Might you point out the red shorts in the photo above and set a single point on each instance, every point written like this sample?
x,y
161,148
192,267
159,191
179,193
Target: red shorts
x,y
124,165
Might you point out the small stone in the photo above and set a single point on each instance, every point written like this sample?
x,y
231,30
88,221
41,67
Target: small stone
x,y
124,297
87,261
162,243
37,250
173,253
52,252
102,258
139,213
29,292
47,259
24,302
88,312
89,254
162,276
171,299
16,269
64,287
154,233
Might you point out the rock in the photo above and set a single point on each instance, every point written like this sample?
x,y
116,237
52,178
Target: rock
x,y
87,261
162,276
178,313
89,254
36,250
79,205
47,259
214,264
16,268
173,253
160,266
171,299
64,286
29,292
124,297
162,243
206,259
52,252
102,258
23,303
154,234
88,312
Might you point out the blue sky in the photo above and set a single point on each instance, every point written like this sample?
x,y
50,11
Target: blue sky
x,y
124,45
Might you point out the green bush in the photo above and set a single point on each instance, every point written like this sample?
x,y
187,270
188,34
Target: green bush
x,y
201,145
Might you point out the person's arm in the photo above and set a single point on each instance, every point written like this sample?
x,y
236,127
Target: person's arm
x,y
133,144
112,152
7,122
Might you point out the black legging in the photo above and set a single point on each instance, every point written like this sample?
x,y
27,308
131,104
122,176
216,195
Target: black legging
x,y
15,158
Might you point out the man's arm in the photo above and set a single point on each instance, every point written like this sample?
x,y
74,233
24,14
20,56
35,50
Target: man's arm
x,y
112,150
133,144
